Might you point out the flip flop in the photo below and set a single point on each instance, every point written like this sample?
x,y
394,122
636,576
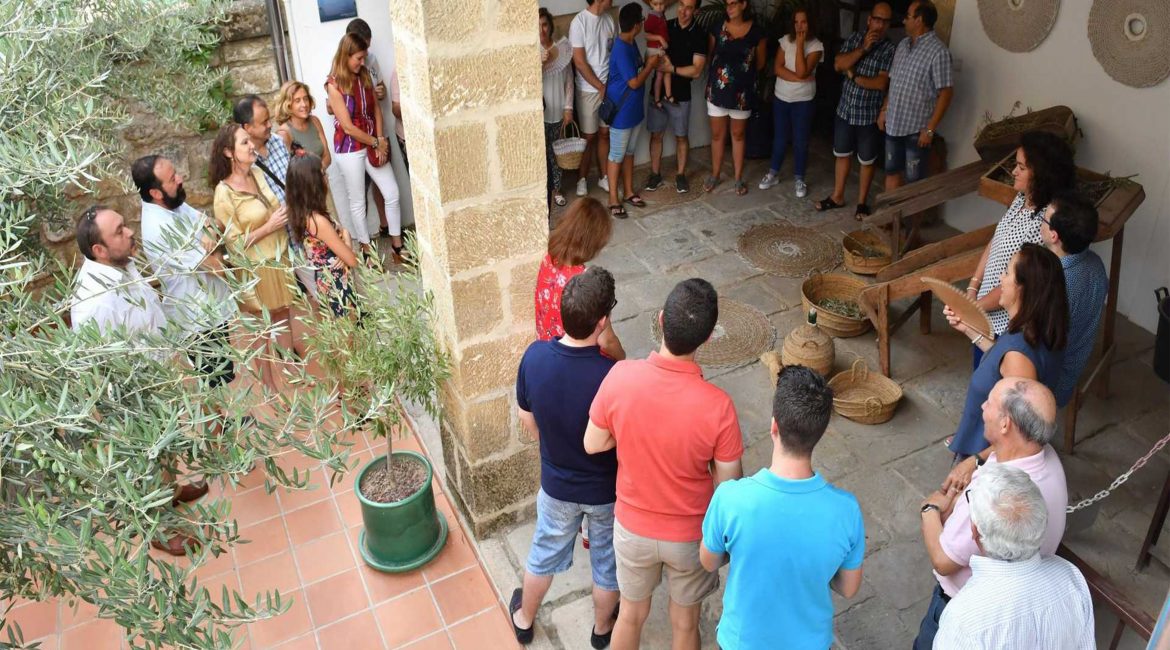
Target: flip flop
x,y
827,203
559,199
741,188
710,183
862,212
617,212
636,201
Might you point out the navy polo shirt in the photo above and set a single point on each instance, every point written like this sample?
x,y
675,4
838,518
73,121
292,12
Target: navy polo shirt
x,y
557,383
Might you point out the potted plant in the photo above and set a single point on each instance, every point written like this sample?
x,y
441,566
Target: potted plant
x,y
385,355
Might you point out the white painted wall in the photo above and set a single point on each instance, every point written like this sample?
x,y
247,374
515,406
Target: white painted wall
x,y
314,43
700,128
1127,131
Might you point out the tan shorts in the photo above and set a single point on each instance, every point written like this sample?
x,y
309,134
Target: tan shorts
x,y
587,107
640,562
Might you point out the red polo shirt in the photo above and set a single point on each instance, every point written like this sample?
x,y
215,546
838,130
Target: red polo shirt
x,y
669,423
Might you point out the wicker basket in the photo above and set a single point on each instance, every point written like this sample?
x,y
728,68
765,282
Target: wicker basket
x,y
864,396
808,345
840,287
568,150
859,242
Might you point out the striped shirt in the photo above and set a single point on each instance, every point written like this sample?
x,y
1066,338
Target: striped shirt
x,y
277,162
360,103
920,70
1087,284
860,106
1041,603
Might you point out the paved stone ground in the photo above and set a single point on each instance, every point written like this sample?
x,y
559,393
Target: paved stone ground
x,y
890,467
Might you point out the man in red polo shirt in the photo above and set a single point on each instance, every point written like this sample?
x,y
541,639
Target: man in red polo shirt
x,y
677,437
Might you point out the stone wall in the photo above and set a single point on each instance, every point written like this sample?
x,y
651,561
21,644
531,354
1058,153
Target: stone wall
x,y
246,51
471,103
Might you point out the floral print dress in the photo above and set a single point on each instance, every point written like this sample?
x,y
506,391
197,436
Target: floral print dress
x,y
731,83
550,284
333,286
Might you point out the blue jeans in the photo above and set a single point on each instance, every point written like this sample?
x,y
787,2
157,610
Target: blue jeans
x,y
929,626
903,155
557,523
793,118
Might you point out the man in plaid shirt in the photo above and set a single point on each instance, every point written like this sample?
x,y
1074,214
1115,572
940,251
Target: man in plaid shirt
x,y
920,92
865,60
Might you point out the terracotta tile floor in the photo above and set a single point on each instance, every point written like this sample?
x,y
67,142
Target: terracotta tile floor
x,y
304,544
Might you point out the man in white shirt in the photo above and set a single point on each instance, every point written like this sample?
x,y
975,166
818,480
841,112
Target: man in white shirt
x,y
591,35
182,256
1016,597
111,295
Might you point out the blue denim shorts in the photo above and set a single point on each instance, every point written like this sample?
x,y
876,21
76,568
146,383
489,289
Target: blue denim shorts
x,y
904,155
557,523
622,143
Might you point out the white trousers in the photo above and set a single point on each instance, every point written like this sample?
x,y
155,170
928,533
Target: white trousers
x,y
354,166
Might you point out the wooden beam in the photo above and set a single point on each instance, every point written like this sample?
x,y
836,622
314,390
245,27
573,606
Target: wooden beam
x,y
936,252
1107,593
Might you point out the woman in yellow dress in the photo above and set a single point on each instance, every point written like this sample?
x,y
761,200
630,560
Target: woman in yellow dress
x,y
254,228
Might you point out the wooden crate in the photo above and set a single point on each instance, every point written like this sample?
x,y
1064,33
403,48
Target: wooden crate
x,y
997,190
1001,138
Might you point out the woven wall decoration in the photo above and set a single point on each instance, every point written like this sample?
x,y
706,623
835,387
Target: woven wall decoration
x,y
1131,40
1018,25
741,335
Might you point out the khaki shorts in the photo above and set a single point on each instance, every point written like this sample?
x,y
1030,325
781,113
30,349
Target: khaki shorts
x,y
587,107
640,562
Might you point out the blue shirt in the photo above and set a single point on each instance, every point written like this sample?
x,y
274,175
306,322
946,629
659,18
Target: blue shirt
x,y
787,539
860,106
921,69
557,383
624,61
969,438
1084,275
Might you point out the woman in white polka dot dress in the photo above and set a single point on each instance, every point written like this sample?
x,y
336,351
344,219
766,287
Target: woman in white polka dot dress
x,y
1044,166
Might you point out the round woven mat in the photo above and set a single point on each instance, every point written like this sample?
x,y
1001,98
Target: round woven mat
x,y
741,335
784,249
1131,40
1018,25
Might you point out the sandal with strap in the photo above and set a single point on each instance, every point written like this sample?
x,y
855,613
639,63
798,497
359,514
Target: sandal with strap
x,y
741,188
862,212
827,203
710,183
636,201
617,212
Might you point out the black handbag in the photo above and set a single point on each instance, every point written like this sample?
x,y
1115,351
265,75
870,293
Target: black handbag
x,y
608,111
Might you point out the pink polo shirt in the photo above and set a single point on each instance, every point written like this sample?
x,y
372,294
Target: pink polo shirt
x,y
669,423
1047,473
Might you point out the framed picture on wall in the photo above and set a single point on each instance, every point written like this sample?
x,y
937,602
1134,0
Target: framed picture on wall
x,y
336,9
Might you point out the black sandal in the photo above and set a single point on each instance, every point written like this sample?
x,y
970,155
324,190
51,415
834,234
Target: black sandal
x,y
636,201
827,203
862,212
617,212
524,636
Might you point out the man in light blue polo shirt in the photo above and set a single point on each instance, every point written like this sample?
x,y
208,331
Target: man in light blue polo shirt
x,y
791,534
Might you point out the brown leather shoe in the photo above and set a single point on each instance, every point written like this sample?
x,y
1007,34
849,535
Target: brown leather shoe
x,y
176,545
190,492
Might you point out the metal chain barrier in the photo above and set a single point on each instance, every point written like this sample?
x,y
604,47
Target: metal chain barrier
x,y
1121,479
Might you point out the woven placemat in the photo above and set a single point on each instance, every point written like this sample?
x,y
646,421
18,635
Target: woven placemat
x,y
741,335
1018,25
1131,40
784,249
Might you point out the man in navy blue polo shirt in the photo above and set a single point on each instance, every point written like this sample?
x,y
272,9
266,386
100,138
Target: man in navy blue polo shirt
x,y
555,386
790,534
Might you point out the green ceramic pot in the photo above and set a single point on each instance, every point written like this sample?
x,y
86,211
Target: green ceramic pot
x,y
406,534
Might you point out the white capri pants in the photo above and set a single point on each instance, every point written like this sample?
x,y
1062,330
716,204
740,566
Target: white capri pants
x,y
354,166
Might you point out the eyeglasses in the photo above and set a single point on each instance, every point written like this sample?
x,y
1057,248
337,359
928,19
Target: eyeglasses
x,y
879,19
967,493
612,305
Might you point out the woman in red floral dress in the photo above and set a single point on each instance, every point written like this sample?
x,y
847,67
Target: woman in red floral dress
x,y
579,236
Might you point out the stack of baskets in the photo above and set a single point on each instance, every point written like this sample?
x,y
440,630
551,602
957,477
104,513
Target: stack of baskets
x,y
569,149
866,252
864,396
836,286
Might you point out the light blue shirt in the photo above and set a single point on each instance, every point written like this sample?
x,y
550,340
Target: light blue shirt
x,y
1087,284
787,539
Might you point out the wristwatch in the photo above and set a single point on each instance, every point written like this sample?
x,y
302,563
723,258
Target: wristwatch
x,y
930,506
930,132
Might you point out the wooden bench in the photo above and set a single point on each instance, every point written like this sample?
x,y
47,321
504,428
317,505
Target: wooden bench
x,y
1104,591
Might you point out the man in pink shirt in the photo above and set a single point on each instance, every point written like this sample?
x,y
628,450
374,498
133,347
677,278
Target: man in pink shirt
x,y
677,437
1019,419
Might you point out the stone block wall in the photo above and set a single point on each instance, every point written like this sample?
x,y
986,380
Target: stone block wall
x,y
471,103
246,51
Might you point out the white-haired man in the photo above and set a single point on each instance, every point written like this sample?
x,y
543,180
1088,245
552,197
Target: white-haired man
x,y
1016,597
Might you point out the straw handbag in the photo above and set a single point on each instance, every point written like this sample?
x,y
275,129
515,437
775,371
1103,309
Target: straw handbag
x,y
568,150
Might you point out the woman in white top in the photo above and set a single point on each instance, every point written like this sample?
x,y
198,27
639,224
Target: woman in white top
x,y
556,59
792,112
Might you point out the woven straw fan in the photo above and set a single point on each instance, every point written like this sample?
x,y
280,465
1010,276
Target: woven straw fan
x,y
966,309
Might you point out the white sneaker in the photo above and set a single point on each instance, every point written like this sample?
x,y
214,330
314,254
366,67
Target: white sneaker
x,y
801,189
603,183
582,187
770,180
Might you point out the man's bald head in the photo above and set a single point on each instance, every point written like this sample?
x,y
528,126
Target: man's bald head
x,y
1029,405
